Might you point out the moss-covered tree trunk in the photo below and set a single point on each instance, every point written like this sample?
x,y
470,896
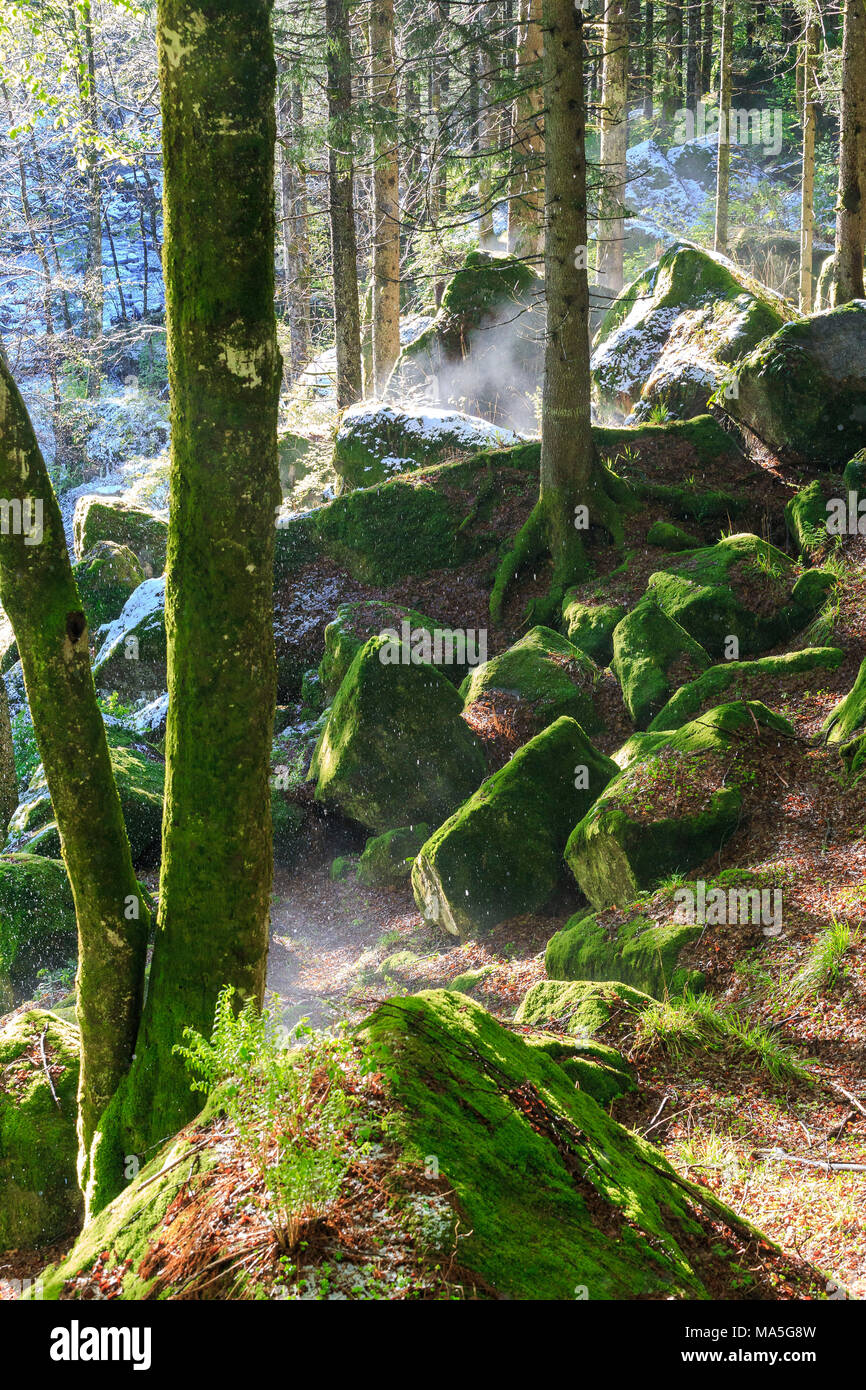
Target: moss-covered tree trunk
x,y
851,202
386,194
38,592
526,203
8,777
217,73
807,194
614,142
341,187
723,171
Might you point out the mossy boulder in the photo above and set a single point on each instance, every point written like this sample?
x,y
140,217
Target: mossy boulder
x,y
670,340
132,651
633,950
846,724
37,922
356,623
589,626
376,441
500,854
394,747
806,517
289,821
547,673
652,655
559,1201
112,519
39,1196
733,679
139,772
677,801
387,859
492,313
803,390
106,577
669,537
741,587
582,1007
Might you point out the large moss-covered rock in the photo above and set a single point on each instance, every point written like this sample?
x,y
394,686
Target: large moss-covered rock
x,y
356,623
590,626
677,801
139,773
394,748
132,652
549,676
741,587
377,441
37,922
652,655
106,577
633,950
484,350
806,516
738,679
387,859
112,519
500,854
582,1007
846,724
39,1196
803,390
670,340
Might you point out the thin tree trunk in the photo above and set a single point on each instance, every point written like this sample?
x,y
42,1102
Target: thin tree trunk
x,y
720,240
614,142
386,195
693,73
707,60
488,139
8,776
341,180
807,208
94,294
851,204
526,204
224,378
673,88
38,592
649,46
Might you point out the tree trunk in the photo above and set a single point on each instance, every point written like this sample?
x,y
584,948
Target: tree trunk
x,y
807,209
649,43
293,238
673,87
217,81
85,69
488,139
720,241
341,180
707,58
386,195
693,52
526,205
851,204
38,592
8,776
614,142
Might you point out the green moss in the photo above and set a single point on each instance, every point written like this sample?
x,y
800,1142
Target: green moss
x,y
846,724
111,519
734,678
547,673
387,859
640,953
806,518
39,1196
376,441
583,1007
288,821
37,922
500,854
592,1214
354,625
647,645
590,626
394,747
670,537
106,577
702,434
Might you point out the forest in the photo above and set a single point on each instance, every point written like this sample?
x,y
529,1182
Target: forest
x,y
433,640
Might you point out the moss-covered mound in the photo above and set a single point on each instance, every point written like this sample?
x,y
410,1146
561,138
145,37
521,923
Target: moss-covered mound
x,y
139,772
634,950
803,390
106,577
652,655
738,679
377,441
356,623
549,676
582,1007
846,724
670,339
387,859
492,313
501,853
678,800
112,519
807,516
37,922
589,626
394,747
39,1196
669,537
740,587
559,1201
132,655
